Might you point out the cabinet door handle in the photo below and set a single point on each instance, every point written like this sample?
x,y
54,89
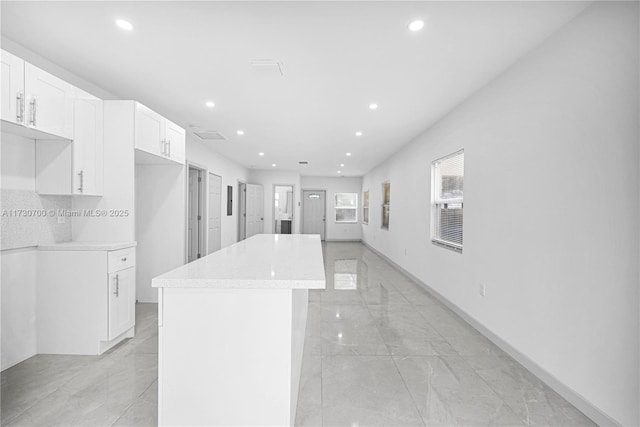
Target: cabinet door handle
x,y
34,105
117,291
20,107
169,150
124,259
162,149
81,175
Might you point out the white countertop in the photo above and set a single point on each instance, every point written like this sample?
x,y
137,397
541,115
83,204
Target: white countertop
x,y
86,246
264,261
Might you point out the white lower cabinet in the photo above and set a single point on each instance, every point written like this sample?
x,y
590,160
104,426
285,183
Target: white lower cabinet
x,y
85,297
121,301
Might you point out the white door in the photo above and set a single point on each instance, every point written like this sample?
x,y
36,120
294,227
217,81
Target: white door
x,y
49,102
313,212
175,136
149,131
242,211
215,208
195,216
87,144
255,210
121,301
12,90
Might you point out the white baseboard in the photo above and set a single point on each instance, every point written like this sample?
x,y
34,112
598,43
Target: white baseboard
x,y
575,398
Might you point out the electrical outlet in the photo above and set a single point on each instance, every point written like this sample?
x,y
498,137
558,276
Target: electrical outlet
x,y
483,289
61,219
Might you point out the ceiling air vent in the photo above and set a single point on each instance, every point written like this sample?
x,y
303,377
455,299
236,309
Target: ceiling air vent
x,y
210,135
303,163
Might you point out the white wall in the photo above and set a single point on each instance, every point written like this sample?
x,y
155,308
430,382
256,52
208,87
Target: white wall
x,y
337,231
270,178
551,208
201,155
160,224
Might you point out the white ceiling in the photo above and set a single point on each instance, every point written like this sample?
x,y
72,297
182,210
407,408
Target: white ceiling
x,y
337,56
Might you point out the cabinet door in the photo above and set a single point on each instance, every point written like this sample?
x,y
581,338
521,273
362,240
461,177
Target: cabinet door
x,y
12,90
175,136
149,131
87,144
49,102
122,285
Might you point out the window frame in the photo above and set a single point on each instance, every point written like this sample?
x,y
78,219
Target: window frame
x,y
336,208
365,207
436,201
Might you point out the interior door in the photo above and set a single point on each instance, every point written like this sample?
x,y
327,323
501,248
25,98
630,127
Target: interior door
x,y
12,90
313,212
215,208
255,210
242,211
194,214
121,301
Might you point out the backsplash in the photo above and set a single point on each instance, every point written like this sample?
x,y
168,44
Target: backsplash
x,y
29,219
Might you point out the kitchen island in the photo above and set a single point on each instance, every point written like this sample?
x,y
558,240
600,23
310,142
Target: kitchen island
x,y
231,332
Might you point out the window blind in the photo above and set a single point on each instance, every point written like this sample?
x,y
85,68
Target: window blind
x,y
448,200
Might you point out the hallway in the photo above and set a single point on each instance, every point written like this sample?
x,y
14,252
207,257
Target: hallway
x,y
379,351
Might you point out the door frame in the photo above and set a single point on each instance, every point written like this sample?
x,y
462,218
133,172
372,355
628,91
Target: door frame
x,y
204,203
293,206
208,200
242,210
325,208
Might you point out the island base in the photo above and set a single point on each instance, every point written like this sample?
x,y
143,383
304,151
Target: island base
x,y
230,356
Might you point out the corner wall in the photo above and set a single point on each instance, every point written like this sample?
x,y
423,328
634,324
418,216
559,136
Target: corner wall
x,y
551,226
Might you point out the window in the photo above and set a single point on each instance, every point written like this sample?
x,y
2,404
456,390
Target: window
x,y
365,208
447,196
346,207
386,197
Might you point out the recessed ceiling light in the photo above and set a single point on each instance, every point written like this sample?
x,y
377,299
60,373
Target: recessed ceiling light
x,y
210,104
358,133
348,154
125,25
373,106
273,165
339,171
416,25
261,154
240,132
341,165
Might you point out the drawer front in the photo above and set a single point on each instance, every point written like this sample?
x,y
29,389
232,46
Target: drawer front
x,y
121,259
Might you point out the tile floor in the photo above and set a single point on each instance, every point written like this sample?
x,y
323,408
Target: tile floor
x,y
379,351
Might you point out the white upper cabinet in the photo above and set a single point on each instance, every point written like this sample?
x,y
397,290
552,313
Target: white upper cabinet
x,y
76,167
12,91
41,103
149,131
88,144
176,139
159,136
49,102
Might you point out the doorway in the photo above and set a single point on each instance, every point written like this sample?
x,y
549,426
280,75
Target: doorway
x,y
196,203
215,213
242,211
313,212
282,208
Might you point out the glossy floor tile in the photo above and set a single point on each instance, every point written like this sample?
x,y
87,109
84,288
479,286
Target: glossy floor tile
x,y
379,351
116,388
